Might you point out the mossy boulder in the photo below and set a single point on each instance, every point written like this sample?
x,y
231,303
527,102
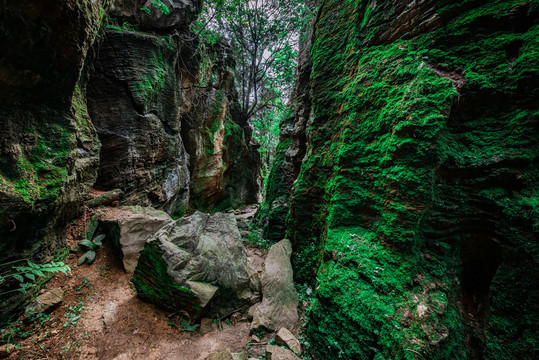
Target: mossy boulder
x,y
196,266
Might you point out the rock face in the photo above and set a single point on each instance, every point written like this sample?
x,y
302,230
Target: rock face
x,y
170,137
225,166
414,204
292,146
279,307
48,146
135,99
178,13
197,265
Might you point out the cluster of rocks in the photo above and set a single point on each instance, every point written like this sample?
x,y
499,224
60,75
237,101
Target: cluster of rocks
x,y
285,346
198,266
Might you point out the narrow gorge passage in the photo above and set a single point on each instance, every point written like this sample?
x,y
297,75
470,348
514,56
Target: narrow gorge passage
x,y
269,179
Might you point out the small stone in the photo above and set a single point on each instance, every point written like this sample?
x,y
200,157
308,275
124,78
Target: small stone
x,y
235,318
6,350
255,338
46,302
286,338
274,352
240,356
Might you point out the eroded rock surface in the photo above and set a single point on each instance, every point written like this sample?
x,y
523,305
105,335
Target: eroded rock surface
x,y
48,145
148,15
415,194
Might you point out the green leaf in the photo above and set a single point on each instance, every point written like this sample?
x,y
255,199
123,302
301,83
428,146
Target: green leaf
x,y
22,290
38,272
30,276
18,277
99,240
90,255
82,259
85,243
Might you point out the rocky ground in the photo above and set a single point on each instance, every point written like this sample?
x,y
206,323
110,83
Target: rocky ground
x,y
100,316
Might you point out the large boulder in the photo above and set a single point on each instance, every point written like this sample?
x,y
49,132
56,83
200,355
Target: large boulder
x,y
129,230
279,307
196,265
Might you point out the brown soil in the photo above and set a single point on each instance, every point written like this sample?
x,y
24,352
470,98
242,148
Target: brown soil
x,y
114,323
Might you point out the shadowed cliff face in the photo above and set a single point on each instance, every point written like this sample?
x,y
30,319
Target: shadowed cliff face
x,y
135,99
48,146
416,199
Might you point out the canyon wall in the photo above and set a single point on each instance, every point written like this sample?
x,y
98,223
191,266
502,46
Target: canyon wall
x,y
415,206
49,147
112,95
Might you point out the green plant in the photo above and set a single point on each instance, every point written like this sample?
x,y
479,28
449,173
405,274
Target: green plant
x,y
90,248
84,283
186,327
161,6
146,10
73,314
26,275
256,238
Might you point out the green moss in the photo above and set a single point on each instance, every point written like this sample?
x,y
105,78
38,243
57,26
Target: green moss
x,y
368,304
155,284
153,79
418,146
40,171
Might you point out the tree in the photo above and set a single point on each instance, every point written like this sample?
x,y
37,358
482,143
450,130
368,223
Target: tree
x,y
264,36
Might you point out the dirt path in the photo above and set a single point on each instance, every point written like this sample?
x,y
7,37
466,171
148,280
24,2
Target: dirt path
x,y
114,323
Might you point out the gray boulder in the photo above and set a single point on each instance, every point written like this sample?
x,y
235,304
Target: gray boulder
x,y
194,266
285,338
279,297
274,352
130,229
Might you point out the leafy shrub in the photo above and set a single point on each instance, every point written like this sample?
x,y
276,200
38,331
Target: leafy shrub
x,y
90,248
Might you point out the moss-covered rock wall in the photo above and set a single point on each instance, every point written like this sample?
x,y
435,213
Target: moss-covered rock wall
x,y
416,203
48,145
